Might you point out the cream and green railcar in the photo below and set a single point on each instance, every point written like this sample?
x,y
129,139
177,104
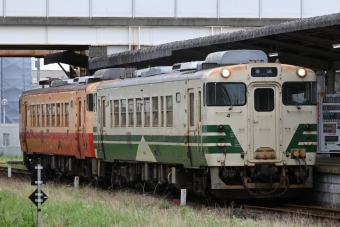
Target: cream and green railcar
x,y
237,126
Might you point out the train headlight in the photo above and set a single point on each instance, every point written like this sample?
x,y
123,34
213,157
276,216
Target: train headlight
x,y
225,73
301,72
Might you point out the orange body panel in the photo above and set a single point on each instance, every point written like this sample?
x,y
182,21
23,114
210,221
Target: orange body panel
x,y
56,121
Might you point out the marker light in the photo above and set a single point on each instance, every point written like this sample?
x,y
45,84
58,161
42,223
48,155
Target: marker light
x,y
225,73
301,72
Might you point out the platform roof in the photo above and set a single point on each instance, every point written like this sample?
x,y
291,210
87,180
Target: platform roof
x,y
305,42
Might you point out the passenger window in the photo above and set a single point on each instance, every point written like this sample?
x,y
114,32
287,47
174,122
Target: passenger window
x,y
123,112
162,111
43,109
147,112
67,117
169,111
116,114
58,114
155,111
53,115
131,122
48,110
139,106
111,114
192,109
34,116
38,115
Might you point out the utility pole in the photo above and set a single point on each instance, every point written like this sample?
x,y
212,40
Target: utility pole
x,y
37,65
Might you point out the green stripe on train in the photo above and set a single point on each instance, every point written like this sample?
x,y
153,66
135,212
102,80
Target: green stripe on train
x,y
305,139
170,149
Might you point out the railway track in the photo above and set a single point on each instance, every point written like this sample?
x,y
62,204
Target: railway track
x,y
15,170
312,211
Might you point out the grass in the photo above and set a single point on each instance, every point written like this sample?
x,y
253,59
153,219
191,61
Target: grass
x,y
88,206
5,158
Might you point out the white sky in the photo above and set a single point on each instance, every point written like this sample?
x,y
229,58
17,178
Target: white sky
x,y
47,67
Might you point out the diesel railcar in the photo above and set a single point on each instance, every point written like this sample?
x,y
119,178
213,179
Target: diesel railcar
x,y
56,125
231,126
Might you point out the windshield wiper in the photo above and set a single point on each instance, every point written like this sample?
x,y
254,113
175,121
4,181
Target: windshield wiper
x,y
234,101
295,103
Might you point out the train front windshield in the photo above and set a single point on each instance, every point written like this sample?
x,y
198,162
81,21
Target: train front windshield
x,y
301,93
226,94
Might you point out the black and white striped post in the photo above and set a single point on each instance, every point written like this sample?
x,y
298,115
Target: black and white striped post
x,y
39,194
38,197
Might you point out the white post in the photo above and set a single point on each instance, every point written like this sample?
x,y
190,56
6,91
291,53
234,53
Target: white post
x,y
4,116
39,194
76,181
9,171
183,197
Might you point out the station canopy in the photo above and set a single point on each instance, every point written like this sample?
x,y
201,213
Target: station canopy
x,y
305,42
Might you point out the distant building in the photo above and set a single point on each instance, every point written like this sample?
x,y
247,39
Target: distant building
x,y
15,77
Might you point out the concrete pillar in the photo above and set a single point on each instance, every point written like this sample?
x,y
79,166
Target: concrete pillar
x,y
320,79
337,81
331,81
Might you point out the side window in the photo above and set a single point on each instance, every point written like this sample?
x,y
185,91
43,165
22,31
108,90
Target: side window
x,y
67,115
58,114
89,102
123,112
111,113
204,94
155,111
34,115
43,109
116,112
53,115
131,122
48,111
38,115
139,109
146,112
162,111
169,111
192,109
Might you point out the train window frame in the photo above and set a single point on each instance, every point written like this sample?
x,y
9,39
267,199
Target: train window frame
x,y
34,116
131,113
232,102
116,113
123,113
67,114
53,114
155,112
38,115
58,114
162,111
147,118
89,102
203,94
139,111
48,115
258,104
43,111
169,111
312,88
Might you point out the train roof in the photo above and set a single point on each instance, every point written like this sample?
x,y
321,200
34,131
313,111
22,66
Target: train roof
x,y
172,76
63,88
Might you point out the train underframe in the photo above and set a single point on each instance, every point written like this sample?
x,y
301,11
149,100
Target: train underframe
x,y
261,181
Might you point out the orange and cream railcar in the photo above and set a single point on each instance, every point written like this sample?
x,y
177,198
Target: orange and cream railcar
x,y
57,122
